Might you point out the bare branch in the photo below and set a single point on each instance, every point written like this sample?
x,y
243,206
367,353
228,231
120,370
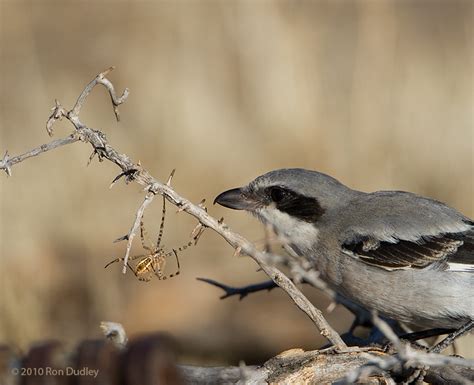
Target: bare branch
x,y
6,163
243,291
466,328
58,113
136,225
386,330
100,145
100,79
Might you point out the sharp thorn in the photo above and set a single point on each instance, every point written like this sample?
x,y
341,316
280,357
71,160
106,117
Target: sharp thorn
x,y
122,238
168,183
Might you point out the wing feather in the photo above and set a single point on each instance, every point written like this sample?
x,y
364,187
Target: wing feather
x,y
402,230
406,254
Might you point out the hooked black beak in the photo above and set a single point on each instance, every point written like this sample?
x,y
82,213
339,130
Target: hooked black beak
x,y
235,199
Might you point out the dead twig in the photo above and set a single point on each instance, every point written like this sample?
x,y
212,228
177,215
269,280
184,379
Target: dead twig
x,y
243,291
6,163
100,146
100,79
135,226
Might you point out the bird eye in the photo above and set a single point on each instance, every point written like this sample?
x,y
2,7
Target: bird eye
x,y
277,194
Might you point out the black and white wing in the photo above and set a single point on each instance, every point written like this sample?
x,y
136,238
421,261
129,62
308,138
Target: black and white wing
x,y
402,231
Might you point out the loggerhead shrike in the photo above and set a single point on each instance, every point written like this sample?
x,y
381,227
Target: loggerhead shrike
x,y
408,257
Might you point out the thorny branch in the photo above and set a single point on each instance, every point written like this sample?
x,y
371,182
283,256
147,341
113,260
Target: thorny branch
x,y
243,291
6,163
135,172
136,225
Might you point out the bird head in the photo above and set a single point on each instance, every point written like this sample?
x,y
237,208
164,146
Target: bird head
x,y
292,201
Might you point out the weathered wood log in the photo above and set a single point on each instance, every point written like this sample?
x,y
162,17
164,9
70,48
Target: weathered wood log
x,y
152,359
290,367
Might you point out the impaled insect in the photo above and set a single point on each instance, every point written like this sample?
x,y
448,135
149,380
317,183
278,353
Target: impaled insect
x,y
154,262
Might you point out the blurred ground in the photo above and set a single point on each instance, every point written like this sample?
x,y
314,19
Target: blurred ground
x,y
377,94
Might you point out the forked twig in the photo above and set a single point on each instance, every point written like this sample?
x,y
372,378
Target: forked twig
x,y
243,291
100,79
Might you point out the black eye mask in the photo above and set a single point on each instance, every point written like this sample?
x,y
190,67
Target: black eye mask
x,y
299,206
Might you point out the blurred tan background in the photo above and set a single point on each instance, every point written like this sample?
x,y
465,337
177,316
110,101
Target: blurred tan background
x,y
378,94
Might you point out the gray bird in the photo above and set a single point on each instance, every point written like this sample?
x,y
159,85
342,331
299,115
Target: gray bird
x,y
408,257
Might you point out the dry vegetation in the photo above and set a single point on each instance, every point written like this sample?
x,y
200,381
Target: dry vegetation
x,y
377,94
